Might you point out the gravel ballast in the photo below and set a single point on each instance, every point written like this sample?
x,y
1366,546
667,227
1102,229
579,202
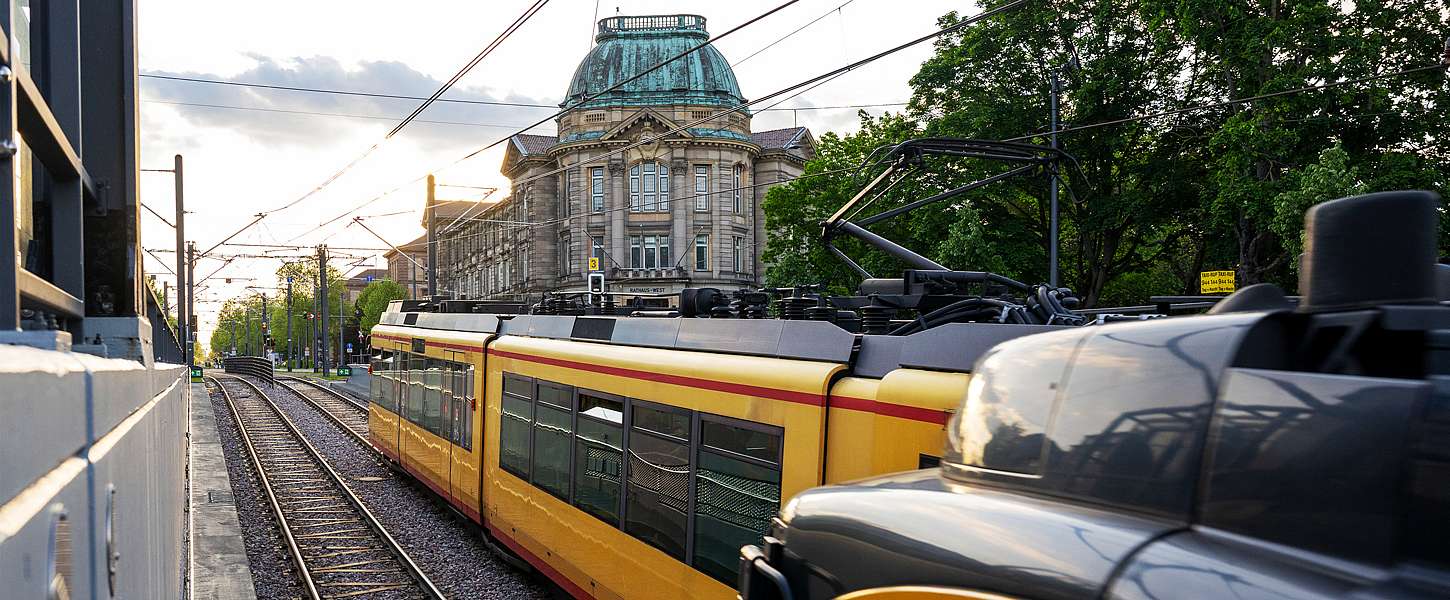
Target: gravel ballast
x,y
272,572
449,549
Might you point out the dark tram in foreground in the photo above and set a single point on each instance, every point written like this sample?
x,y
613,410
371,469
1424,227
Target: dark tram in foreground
x,y
1264,450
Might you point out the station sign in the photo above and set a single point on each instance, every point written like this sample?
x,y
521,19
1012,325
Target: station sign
x,y
1216,282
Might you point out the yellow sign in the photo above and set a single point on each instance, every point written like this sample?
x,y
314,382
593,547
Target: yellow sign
x,y
1216,282
594,263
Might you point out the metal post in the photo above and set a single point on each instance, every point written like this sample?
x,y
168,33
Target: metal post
x,y
1052,193
234,337
182,310
341,327
432,240
263,327
189,353
249,329
322,299
289,324
10,263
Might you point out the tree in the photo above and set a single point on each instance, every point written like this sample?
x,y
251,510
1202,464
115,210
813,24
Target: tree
x,y
374,300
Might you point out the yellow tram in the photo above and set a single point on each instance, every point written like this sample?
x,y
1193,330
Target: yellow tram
x,y
632,458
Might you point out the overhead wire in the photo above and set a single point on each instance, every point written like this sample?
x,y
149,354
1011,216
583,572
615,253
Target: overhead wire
x,y
788,35
316,90
1211,105
811,82
330,114
528,13
561,111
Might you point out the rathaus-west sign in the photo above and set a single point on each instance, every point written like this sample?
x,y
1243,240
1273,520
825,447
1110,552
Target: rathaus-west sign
x,y
681,209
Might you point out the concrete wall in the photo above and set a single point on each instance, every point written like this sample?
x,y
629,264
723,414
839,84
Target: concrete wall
x,y
92,463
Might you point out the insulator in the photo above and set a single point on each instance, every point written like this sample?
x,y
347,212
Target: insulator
x,y
875,318
721,312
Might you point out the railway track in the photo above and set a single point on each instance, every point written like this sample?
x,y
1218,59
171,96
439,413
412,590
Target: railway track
x,y
350,414
339,548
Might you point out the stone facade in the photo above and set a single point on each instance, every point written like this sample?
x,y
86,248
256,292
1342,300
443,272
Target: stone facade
x,y
659,210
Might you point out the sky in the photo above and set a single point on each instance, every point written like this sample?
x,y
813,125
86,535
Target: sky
x,y
249,150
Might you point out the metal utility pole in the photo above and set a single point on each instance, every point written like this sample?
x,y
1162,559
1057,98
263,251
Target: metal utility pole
x,y
341,327
322,298
263,327
432,240
189,353
234,338
249,329
1052,189
289,323
183,310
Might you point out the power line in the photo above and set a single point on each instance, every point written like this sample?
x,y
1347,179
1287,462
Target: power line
x,y
556,114
1224,103
797,30
328,114
803,86
504,35
403,97
339,92
528,13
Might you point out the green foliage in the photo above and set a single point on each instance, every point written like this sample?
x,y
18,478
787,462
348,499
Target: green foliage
x,y
374,300
1146,204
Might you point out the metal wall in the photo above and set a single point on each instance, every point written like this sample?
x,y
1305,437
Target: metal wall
x,y
94,459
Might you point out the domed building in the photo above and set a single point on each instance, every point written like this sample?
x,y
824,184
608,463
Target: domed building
x,y
658,180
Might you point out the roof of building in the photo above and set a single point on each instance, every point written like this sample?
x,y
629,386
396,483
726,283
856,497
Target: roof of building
x,y
627,46
361,277
777,138
534,144
417,246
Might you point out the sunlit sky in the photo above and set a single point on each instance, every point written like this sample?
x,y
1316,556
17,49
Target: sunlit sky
x,y
241,161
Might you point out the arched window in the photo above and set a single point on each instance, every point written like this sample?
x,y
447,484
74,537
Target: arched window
x,y
649,187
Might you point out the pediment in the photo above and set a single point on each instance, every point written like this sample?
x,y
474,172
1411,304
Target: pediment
x,y
645,123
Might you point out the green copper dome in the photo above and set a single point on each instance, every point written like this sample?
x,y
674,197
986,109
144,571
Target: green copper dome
x,y
627,46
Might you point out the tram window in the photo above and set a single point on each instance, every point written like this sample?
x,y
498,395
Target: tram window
x,y
432,417
462,387
674,424
553,433
657,498
737,491
748,442
599,456
516,424
417,366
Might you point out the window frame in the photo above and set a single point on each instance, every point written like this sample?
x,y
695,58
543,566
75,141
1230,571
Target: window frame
x,y
571,410
702,188
504,394
596,189
623,425
702,252
739,178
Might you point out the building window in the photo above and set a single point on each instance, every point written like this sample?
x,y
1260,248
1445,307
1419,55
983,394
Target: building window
x,y
649,187
596,249
568,199
565,259
736,245
702,187
596,188
702,252
650,252
739,179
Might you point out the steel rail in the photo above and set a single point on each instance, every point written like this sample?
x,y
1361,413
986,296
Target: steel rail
x,y
307,573
358,430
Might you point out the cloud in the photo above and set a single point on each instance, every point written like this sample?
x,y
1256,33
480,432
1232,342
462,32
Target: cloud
x,y
279,116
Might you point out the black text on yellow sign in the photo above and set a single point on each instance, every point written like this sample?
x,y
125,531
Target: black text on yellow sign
x,y
593,263
1216,282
